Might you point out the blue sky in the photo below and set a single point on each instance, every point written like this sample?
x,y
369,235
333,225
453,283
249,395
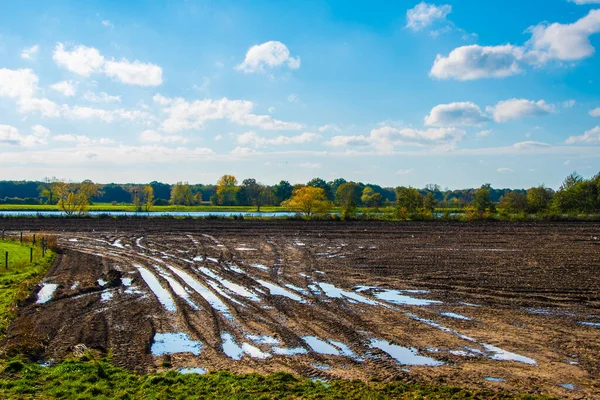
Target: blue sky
x,y
457,93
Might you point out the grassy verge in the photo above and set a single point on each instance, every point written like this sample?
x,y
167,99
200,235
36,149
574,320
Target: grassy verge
x,y
89,379
154,209
17,281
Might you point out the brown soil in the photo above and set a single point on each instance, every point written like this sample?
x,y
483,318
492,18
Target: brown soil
x,y
525,287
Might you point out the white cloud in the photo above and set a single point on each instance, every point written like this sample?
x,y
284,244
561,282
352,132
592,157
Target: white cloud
x,y
456,114
85,61
29,53
569,104
18,83
292,98
101,97
151,136
518,108
549,42
483,133
182,115
46,108
134,73
268,55
10,136
67,88
385,138
591,136
81,139
253,139
81,60
580,2
424,15
529,144
504,170
476,62
330,127
107,23
271,110
595,112
242,151
407,171
40,131
564,42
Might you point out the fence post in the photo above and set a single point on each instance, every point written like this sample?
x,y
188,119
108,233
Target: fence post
x,y
21,240
30,255
34,239
2,234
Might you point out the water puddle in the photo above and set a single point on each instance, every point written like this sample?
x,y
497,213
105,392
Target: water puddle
x,y
404,355
138,243
594,324
569,386
276,290
297,289
245,249
337,293
203,291
133,290
106,295
344,349
179,290
234,287
230,347
255,352
298,243
192,370
396,297
171,343
283,351
260,266
237,269
101,282
322,367
46,292
263,339
73,240
161,293
491,379
75,285
503,355
321,346
455,316
126,281
118,244
462,303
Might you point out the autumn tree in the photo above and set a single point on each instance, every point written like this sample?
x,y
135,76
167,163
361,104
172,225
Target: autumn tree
x,y
181,194
538,199
148,194
308,200
482,200
226,190
348,197
46,190
370,198
74,198
408,200
513,202
429,202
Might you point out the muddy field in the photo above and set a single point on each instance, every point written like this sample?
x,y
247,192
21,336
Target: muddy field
x,y
511,306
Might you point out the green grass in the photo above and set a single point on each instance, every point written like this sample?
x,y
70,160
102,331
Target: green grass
x,y
154,209
89,379
17,280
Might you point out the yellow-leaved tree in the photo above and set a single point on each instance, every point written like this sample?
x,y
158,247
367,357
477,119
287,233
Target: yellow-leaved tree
x,y
74,198
308,200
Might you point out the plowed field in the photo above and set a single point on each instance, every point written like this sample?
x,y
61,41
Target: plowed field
x,y
511,306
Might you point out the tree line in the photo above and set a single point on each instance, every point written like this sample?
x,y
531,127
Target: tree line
x,y
575,195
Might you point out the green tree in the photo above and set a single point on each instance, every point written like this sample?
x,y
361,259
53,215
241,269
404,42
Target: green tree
x,y
320,183
514,202
181,194
538,199
308,200
227,190
255,192
429,202
348,197
370,198
282,191
148,194
46,190
481,199
408,199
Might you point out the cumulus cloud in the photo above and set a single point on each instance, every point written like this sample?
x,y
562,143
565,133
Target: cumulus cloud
x,y
591,136
29,53
45,107
456,114
85,61
519,108
476,62
595,112
82,139
101,97
569,104
67,88
151,136
268,55
548,42
330,127
18,83
424,15
529,144
253,139
182,115
10,136
483,133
